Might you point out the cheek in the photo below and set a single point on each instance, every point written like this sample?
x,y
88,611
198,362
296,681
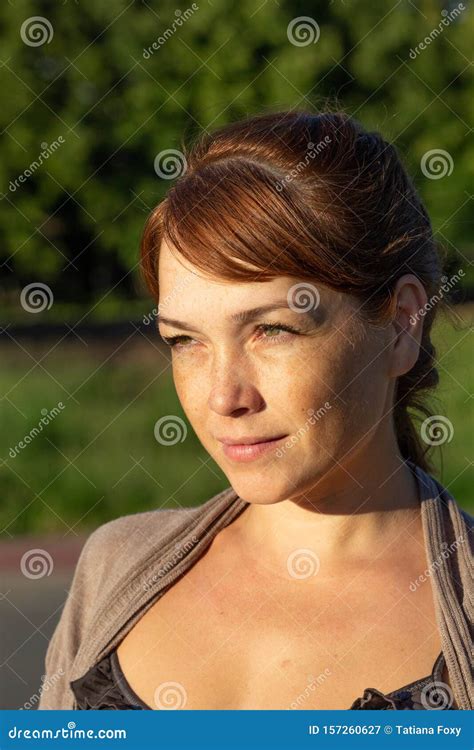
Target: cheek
x,y
350,380
187,381
359,388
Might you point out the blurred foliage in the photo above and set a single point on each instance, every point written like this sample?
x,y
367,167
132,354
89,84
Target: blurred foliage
x,y
99,459
75,222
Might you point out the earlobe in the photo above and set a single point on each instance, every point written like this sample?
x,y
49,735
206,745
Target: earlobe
x,y
405,347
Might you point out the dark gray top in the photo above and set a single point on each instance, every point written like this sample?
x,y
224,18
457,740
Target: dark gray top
x,y
105,686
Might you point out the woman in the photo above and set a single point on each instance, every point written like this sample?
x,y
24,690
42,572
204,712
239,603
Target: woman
x,y
294,266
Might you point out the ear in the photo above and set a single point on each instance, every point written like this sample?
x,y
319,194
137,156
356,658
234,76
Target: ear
x,y
408,311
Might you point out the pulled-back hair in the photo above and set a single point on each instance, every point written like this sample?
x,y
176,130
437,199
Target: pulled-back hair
x,y
317,197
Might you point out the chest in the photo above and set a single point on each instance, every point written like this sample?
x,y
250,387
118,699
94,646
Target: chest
x,y
221,641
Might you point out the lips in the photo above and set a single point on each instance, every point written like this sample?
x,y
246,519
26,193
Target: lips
x,y
249,440
244,452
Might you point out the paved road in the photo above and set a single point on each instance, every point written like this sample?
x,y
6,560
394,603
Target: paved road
x,y
29,611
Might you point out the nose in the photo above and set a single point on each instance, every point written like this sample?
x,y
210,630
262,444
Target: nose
x,y
233,387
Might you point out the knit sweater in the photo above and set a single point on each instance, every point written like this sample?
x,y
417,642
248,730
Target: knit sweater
x,y
128,563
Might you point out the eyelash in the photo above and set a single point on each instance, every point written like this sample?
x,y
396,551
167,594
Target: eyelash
x,y
174,341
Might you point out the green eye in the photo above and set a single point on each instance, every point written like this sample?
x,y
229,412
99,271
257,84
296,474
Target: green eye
x,y
173,341
275,327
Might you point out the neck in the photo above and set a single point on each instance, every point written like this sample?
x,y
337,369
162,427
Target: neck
x,y
354,514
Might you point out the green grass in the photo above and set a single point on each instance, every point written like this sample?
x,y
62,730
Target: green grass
x,y
454,459
99,459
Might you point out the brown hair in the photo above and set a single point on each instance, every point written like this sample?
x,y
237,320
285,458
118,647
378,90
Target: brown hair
x,y
313,196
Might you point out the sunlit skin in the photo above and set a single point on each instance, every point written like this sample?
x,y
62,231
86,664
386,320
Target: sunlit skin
x,y
331,490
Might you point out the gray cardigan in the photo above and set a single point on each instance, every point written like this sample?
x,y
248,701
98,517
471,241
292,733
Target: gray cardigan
x,y
128,563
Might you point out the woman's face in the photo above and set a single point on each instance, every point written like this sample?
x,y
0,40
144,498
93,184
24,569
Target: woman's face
x,y
324,387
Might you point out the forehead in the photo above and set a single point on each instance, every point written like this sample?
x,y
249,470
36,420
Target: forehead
x,y
185,289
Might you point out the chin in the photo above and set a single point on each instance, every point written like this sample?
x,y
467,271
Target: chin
x,y
259,492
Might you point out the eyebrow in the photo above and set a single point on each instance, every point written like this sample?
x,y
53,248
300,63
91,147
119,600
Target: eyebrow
x,y
244,316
